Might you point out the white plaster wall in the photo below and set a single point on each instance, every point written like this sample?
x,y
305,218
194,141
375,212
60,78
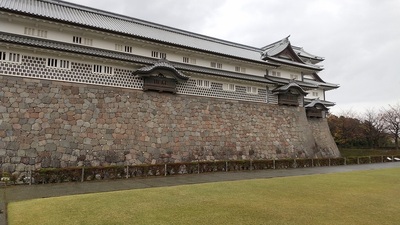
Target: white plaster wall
x,y
319,92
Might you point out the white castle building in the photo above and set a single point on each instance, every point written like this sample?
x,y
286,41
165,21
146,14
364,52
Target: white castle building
x,y
54,37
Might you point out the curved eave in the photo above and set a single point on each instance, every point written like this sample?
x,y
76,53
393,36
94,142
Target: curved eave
x,y
72,48
296,64
316,103
222,73
176,74
275,49
284,81
108,54
322,85
324,102
286,88
302,53
161,65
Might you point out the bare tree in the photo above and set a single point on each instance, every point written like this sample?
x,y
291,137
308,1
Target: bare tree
x,y
373,127
391,117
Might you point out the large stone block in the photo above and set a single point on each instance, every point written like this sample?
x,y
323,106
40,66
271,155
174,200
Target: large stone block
x,y
107,127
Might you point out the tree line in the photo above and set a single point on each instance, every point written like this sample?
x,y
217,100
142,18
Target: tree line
x,y
371,129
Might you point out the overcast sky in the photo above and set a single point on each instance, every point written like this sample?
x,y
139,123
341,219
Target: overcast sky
x,y
360,39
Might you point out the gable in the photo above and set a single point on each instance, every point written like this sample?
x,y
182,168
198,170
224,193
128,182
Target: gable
x,y
289,54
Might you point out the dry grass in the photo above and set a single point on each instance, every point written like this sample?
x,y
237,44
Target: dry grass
x,y
367,197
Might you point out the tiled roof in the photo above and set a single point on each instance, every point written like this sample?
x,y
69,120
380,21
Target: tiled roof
x,y
287,87
281,80
300,51
316,103
61,46
98,19
322,84
308,101
162,64
304,65
276,48
271,51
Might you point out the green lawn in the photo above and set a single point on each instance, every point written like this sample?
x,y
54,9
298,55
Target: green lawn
x,y
366,197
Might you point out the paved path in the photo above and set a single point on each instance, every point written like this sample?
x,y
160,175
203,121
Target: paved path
x,y
25,192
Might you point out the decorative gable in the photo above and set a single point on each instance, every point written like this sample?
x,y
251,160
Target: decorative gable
x,y
289,54
316,109
162,76
291,94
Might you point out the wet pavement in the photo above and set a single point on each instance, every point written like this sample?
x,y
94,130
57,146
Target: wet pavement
x,y
25,192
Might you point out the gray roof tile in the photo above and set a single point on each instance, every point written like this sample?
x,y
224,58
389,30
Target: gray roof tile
x,y
98,19
42,43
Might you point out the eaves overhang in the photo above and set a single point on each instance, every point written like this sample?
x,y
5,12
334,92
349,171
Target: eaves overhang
x,y
292,63
161,66
326,103
130,58
286,88
284,81
316,103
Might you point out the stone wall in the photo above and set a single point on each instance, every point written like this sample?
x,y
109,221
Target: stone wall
x,y
325,146
57,124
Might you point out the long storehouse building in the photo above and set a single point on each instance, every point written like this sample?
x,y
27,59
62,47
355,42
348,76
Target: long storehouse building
x,y
82,86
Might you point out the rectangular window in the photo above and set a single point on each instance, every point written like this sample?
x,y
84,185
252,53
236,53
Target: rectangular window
x,y
275,73
97,69
29,31
58,63
240,69
154,54
128,49
88,41
315,94
216,65
14,57
109,70
189,60
42,33
228,87
77,40
203,83
2,56
118,47
33,32
251,90
64,64
160,55
52,62
10,57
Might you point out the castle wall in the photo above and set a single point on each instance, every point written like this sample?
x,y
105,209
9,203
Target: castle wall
x,y
325,146
58,124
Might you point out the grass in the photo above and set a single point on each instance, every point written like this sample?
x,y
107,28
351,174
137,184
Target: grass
x,y
347,152
366,197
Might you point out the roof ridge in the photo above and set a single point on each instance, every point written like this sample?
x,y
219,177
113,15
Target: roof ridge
x,y
150,24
